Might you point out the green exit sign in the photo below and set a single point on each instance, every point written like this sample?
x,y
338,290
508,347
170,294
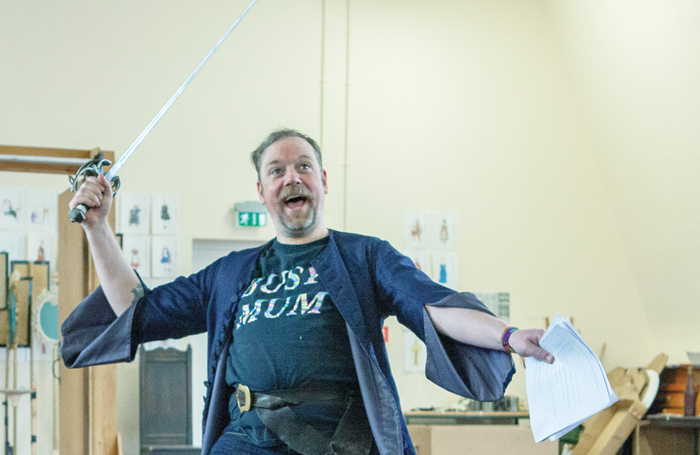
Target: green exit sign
x,y
252,219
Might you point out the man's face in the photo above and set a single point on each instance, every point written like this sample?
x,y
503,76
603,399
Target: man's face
x,y
292,186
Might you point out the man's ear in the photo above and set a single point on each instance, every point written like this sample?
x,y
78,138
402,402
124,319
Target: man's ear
x,y
324,178
260,193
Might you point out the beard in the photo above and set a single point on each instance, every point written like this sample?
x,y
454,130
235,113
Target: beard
x,y
300,223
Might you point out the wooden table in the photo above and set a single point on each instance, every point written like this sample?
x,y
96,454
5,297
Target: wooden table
x,y
464,417
664,434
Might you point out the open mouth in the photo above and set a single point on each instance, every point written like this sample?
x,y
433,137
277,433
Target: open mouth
x,y
294,202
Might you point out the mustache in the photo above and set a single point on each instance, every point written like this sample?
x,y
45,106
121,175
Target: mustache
x,y
292,191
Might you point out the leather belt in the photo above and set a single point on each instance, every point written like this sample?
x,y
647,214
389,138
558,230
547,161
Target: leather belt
x,y
353,435
247,399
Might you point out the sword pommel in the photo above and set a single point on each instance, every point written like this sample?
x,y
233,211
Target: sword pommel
x,y
77,215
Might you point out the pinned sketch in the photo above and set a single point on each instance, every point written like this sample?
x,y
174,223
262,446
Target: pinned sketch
x,y
164,256
11,208
41,210
41,246
443,229
134,213
136,249
497,302
420,258
416,229
13,244
165,214
415,353
445,268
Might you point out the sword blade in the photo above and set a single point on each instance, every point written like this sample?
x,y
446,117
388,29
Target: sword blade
x,y
116,167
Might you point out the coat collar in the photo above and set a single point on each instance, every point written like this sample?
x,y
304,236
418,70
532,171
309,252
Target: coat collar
x,y
336,279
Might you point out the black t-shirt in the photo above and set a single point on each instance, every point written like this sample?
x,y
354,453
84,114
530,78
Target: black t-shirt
x,y
288,334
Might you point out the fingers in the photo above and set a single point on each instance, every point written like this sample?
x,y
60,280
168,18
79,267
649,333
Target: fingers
x,y
526,344
90,193
541,354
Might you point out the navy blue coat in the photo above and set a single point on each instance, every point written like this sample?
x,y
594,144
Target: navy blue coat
x,y
367,279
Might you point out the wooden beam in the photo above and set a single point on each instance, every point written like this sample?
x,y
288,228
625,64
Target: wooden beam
x,y
88,423
47,168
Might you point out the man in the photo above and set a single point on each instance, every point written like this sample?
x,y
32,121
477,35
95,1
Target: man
x,y
294,327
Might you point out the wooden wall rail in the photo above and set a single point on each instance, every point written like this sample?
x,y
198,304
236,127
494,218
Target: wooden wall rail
x,y
48,168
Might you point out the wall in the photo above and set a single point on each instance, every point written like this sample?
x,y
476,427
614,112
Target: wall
x,y
635,67
470,106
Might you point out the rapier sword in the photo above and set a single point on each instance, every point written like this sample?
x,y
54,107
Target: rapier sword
x,y
94,167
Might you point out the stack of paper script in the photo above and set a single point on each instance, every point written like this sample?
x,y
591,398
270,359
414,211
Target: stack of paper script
x,y
563,394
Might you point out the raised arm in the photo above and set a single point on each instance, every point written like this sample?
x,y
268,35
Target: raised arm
x,y
119,282
483,330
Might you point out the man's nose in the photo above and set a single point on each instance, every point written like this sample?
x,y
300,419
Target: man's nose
x,y
292,177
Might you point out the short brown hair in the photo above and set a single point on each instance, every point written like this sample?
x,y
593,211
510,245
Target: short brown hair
x,y
256,155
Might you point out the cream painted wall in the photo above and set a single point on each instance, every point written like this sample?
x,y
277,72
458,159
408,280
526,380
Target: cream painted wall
x,y
635,67
469,106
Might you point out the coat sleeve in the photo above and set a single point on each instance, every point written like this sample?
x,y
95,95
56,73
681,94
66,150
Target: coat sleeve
x,y
470,371
94,335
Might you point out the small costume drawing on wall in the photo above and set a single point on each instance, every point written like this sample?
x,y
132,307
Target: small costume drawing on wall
x,y
136,251
416,229
444,230
41,246
11,208
40,254
164,251
41,210
164,217
444,235
133,214
165,256
445,268
414,353
7,208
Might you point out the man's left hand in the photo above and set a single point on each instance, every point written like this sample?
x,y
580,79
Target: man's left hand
x,y
526,343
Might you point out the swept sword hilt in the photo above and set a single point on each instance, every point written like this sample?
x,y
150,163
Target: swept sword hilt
x,y
92,168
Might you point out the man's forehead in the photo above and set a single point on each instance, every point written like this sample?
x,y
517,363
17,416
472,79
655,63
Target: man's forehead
x,y
288,149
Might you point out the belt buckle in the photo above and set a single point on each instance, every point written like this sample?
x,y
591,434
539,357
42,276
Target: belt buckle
x,y
243,397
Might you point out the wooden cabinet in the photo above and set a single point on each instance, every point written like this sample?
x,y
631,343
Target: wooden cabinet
x,y
672,381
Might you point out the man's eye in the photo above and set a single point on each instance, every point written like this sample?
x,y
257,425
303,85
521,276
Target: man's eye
x,y
275,171
305,166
